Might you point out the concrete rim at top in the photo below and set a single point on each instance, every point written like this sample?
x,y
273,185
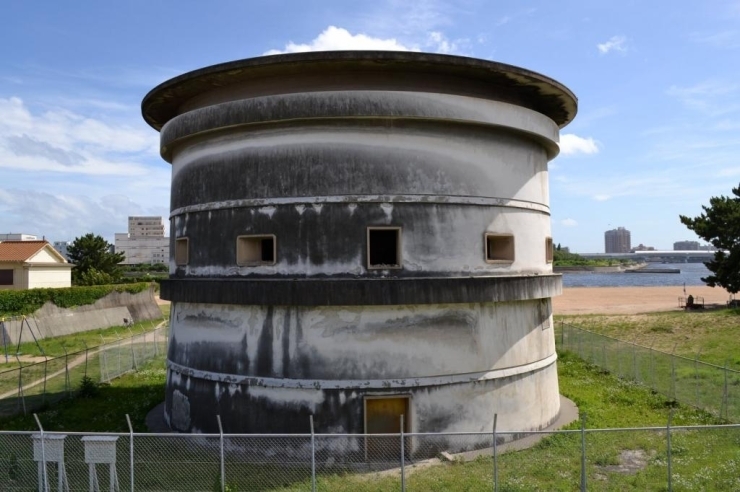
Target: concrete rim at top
x,y
546,95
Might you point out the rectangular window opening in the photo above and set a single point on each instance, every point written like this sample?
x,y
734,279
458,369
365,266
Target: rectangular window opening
x,y
6,277
182,251
548,250
383,247
255,250
499,248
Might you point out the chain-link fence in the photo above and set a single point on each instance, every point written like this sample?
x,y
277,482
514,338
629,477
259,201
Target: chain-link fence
x,y
712,388
650,458
31,386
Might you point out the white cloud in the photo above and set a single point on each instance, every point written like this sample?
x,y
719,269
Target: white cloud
x,y
601,198
615,43
337,38
60,216
569,222
63,141
573,144
713,97
722,39
439,43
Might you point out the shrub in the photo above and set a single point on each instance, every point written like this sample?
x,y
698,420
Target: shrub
x,y
88,388
17,302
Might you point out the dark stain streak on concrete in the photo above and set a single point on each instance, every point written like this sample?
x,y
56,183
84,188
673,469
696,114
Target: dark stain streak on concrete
x,y
286,343
264,346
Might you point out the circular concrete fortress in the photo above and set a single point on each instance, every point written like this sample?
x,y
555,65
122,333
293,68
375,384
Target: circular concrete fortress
x,y
360,235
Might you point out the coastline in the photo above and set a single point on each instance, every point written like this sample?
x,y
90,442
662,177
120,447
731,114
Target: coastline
x,y
631,300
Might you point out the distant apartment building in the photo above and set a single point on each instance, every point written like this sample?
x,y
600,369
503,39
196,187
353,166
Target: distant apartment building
x,y
686,246
145,241
18,237
617,241
62,248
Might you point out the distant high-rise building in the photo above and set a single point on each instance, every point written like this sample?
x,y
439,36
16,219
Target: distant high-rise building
x,y
61,247
145,241
617,241
686,246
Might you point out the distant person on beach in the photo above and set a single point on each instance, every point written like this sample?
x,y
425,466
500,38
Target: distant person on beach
x,y
690,302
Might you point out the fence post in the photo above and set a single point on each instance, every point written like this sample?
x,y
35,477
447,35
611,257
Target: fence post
x,y
46,367
634,358
726,397
66,371
313,456
103,357
403,460
696,377
133,352
652,365
673,372
43,454
668,439
221,438
85,344
118,350
21,398
583,453
603,353
562,334
495,455
131,450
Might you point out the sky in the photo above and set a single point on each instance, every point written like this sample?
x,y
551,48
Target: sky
x,y
656,135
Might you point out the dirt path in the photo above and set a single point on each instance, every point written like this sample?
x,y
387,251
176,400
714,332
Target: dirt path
x,y
631,300
71,364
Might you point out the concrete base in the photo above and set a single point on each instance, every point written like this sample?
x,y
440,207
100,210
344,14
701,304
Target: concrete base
x,y
155,423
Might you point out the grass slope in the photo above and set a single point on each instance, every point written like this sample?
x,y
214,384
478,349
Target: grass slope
x,y
712,335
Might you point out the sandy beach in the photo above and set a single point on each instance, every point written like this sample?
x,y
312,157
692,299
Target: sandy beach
x,y
630,300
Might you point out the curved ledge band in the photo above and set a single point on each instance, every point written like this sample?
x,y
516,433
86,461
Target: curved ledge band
x,y
360,292
359,105
330,384
346,199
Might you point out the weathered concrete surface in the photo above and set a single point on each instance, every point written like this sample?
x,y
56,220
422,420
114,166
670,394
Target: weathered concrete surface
x,y
311,150
52,321
279,364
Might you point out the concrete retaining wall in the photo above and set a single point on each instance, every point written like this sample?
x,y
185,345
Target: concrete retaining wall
x,y
52,321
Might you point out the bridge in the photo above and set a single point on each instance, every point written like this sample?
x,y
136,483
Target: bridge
x,y
656,256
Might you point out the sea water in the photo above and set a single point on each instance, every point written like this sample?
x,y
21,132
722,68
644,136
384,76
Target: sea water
x,y
691,274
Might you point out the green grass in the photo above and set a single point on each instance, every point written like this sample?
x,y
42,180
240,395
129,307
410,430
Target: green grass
x,y
712,336
134,393
703,460
77,342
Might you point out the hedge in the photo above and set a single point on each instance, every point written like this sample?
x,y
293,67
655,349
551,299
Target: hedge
x,y
17,302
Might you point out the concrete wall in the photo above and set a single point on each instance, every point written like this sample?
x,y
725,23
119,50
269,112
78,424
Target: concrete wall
x,y
292,360
52,321
313,149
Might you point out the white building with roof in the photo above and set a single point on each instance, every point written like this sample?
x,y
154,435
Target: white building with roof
x,y
32,265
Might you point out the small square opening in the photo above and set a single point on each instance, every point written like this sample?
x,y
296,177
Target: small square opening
x,y
383,247
255,250
548,250
499,248
181,251
6,277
